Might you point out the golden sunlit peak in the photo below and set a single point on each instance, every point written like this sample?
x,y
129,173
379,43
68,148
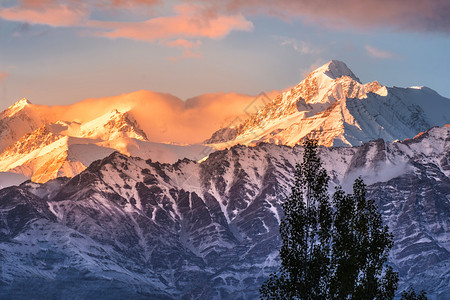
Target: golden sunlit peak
x,y
19,105
22,102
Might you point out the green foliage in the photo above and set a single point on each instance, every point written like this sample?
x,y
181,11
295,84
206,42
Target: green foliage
x,y
330,253
410,294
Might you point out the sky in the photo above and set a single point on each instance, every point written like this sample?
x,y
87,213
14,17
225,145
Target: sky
x,y
58,52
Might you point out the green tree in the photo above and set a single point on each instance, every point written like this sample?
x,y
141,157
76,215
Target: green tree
x,y
330,253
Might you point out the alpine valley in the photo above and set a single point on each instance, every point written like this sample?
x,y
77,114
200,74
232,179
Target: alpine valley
x,y
109,213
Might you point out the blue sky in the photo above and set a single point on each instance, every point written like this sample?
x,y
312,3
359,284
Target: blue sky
x,y
60,52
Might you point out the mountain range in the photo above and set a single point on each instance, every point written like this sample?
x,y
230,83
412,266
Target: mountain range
x,y
65,148
330,104
141,229
112,212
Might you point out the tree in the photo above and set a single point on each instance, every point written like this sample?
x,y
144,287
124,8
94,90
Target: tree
x,y
360,248
410,294
337,252
305,231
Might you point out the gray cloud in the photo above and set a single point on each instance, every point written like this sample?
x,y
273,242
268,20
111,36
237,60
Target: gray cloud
x,y
411,15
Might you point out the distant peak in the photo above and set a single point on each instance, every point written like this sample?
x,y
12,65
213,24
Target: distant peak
x,y
16,107
21,103
424,89
115,113
24,100
113,124
335,69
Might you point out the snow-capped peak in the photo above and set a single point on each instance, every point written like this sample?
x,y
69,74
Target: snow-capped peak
x,y
113,125
424,89
20,118
333,106
334,69
16,107
21,103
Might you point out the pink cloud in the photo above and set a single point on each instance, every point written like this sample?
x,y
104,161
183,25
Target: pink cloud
x,y
190,22
133,3
188,47
64,13
378,53
53,15
3,75
183,43
40,4
412,15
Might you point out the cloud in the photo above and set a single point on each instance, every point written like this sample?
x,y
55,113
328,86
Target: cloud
x,y
378,53
41,4
65,13
188,47
189,22
163,117
132,3
412,15
180,122
56,15
3,75
183,43
299,46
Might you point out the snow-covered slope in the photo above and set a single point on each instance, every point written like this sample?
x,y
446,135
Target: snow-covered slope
x,y
134,228
67,148
113,125
332,105
17,120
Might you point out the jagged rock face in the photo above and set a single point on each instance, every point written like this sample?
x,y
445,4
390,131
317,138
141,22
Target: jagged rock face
x,y
39,138
420,224
19,208
23,155
135,228
333,106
